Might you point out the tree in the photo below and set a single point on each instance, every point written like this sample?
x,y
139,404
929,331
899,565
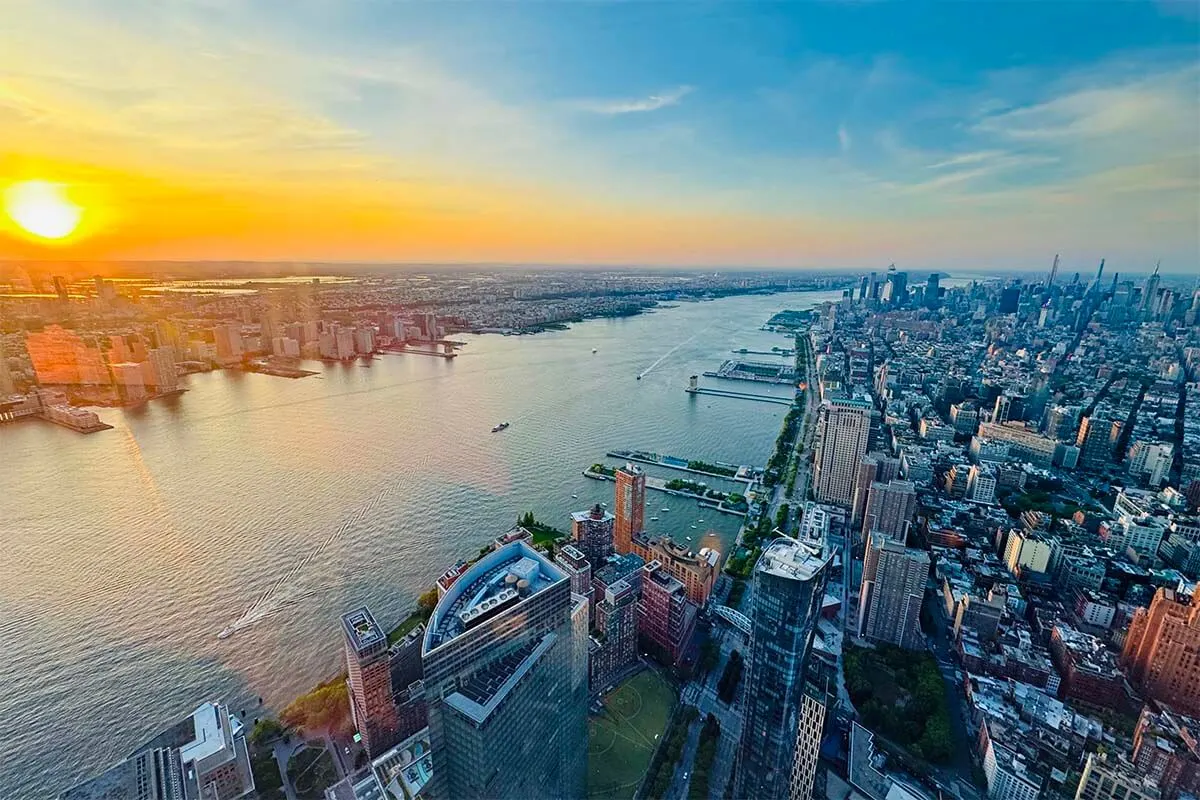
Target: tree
x,y
265,730
428,600
327,707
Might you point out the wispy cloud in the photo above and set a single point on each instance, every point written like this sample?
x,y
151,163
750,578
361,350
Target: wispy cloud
x,y
635,105
844,140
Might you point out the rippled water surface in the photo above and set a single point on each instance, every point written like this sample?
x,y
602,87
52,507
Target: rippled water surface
x,y
124,553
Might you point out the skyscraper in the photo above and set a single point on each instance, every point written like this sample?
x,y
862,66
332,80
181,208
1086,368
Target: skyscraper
x,y
874,467
890,506
893,585
571,560
1150,292
593,533
505,678
843,429
61,358
630,506
6,380
1010,300
616,618
1096,441
60,288
779,745
228,341
932,298
370,681
1160,650
162,368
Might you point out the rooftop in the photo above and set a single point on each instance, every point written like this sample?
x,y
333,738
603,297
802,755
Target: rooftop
x,y
788,558
503,578
596,513
617,567
361,629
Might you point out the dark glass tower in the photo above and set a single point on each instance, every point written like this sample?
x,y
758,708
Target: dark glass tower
x,y
781,732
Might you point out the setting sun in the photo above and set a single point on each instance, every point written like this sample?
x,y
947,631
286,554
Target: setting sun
x,y
42,209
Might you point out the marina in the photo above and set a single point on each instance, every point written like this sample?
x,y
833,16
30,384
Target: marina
x,y
660,485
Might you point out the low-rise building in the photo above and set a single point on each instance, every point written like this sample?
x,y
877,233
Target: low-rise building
x,y
1088,669
1114,778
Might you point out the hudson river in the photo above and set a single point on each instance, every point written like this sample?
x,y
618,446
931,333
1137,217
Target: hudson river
x,y
124,553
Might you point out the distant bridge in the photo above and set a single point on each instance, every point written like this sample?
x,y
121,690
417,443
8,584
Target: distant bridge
x,y
734,617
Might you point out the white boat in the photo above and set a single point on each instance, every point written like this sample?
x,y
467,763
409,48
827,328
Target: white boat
x,y
500,427
593,350
689,538
693,528
654,519
225,634
574,497
666,509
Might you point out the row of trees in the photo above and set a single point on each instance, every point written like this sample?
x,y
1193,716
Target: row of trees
x,y
666,758
704,466
901,694
706,753
783,447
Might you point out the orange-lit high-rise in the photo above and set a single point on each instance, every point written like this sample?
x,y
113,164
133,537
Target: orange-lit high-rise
x,y
62,358
630,507
1160,650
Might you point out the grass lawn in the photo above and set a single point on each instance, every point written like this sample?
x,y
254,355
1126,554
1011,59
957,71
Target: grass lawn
x,y
267,779
622,739
411,621
311,772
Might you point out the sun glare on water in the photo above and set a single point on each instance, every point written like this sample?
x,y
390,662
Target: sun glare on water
x,y
42,209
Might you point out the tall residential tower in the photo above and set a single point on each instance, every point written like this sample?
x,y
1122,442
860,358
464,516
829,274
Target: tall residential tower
x,y
630,506
843,428
781,734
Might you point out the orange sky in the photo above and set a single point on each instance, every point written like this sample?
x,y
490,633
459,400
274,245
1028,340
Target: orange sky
x,y
211,129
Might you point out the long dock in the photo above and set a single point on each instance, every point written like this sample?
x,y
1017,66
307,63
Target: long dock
x,y
782,401
742,473
780,352
412,351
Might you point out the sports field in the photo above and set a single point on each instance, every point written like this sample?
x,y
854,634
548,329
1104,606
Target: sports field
x,y
622,739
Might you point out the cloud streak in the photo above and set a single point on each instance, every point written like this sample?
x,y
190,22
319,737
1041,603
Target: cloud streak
x,y
641,105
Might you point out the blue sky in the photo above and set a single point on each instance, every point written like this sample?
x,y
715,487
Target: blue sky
x,y
798,133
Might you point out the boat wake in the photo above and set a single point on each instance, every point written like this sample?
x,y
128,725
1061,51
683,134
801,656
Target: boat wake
x,y
665,356
285,592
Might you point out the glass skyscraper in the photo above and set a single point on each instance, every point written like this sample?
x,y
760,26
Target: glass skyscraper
x,y
505,680
782,727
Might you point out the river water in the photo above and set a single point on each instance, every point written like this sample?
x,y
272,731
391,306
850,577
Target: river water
x,y
124,553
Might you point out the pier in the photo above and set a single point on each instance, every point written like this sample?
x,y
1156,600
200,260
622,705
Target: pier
x,y
447,353
743,473
754,371
779,351
761,398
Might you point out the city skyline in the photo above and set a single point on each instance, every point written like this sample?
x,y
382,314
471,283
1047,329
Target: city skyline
x,y
812,135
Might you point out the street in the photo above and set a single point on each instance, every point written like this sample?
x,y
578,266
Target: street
x,y
704,697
